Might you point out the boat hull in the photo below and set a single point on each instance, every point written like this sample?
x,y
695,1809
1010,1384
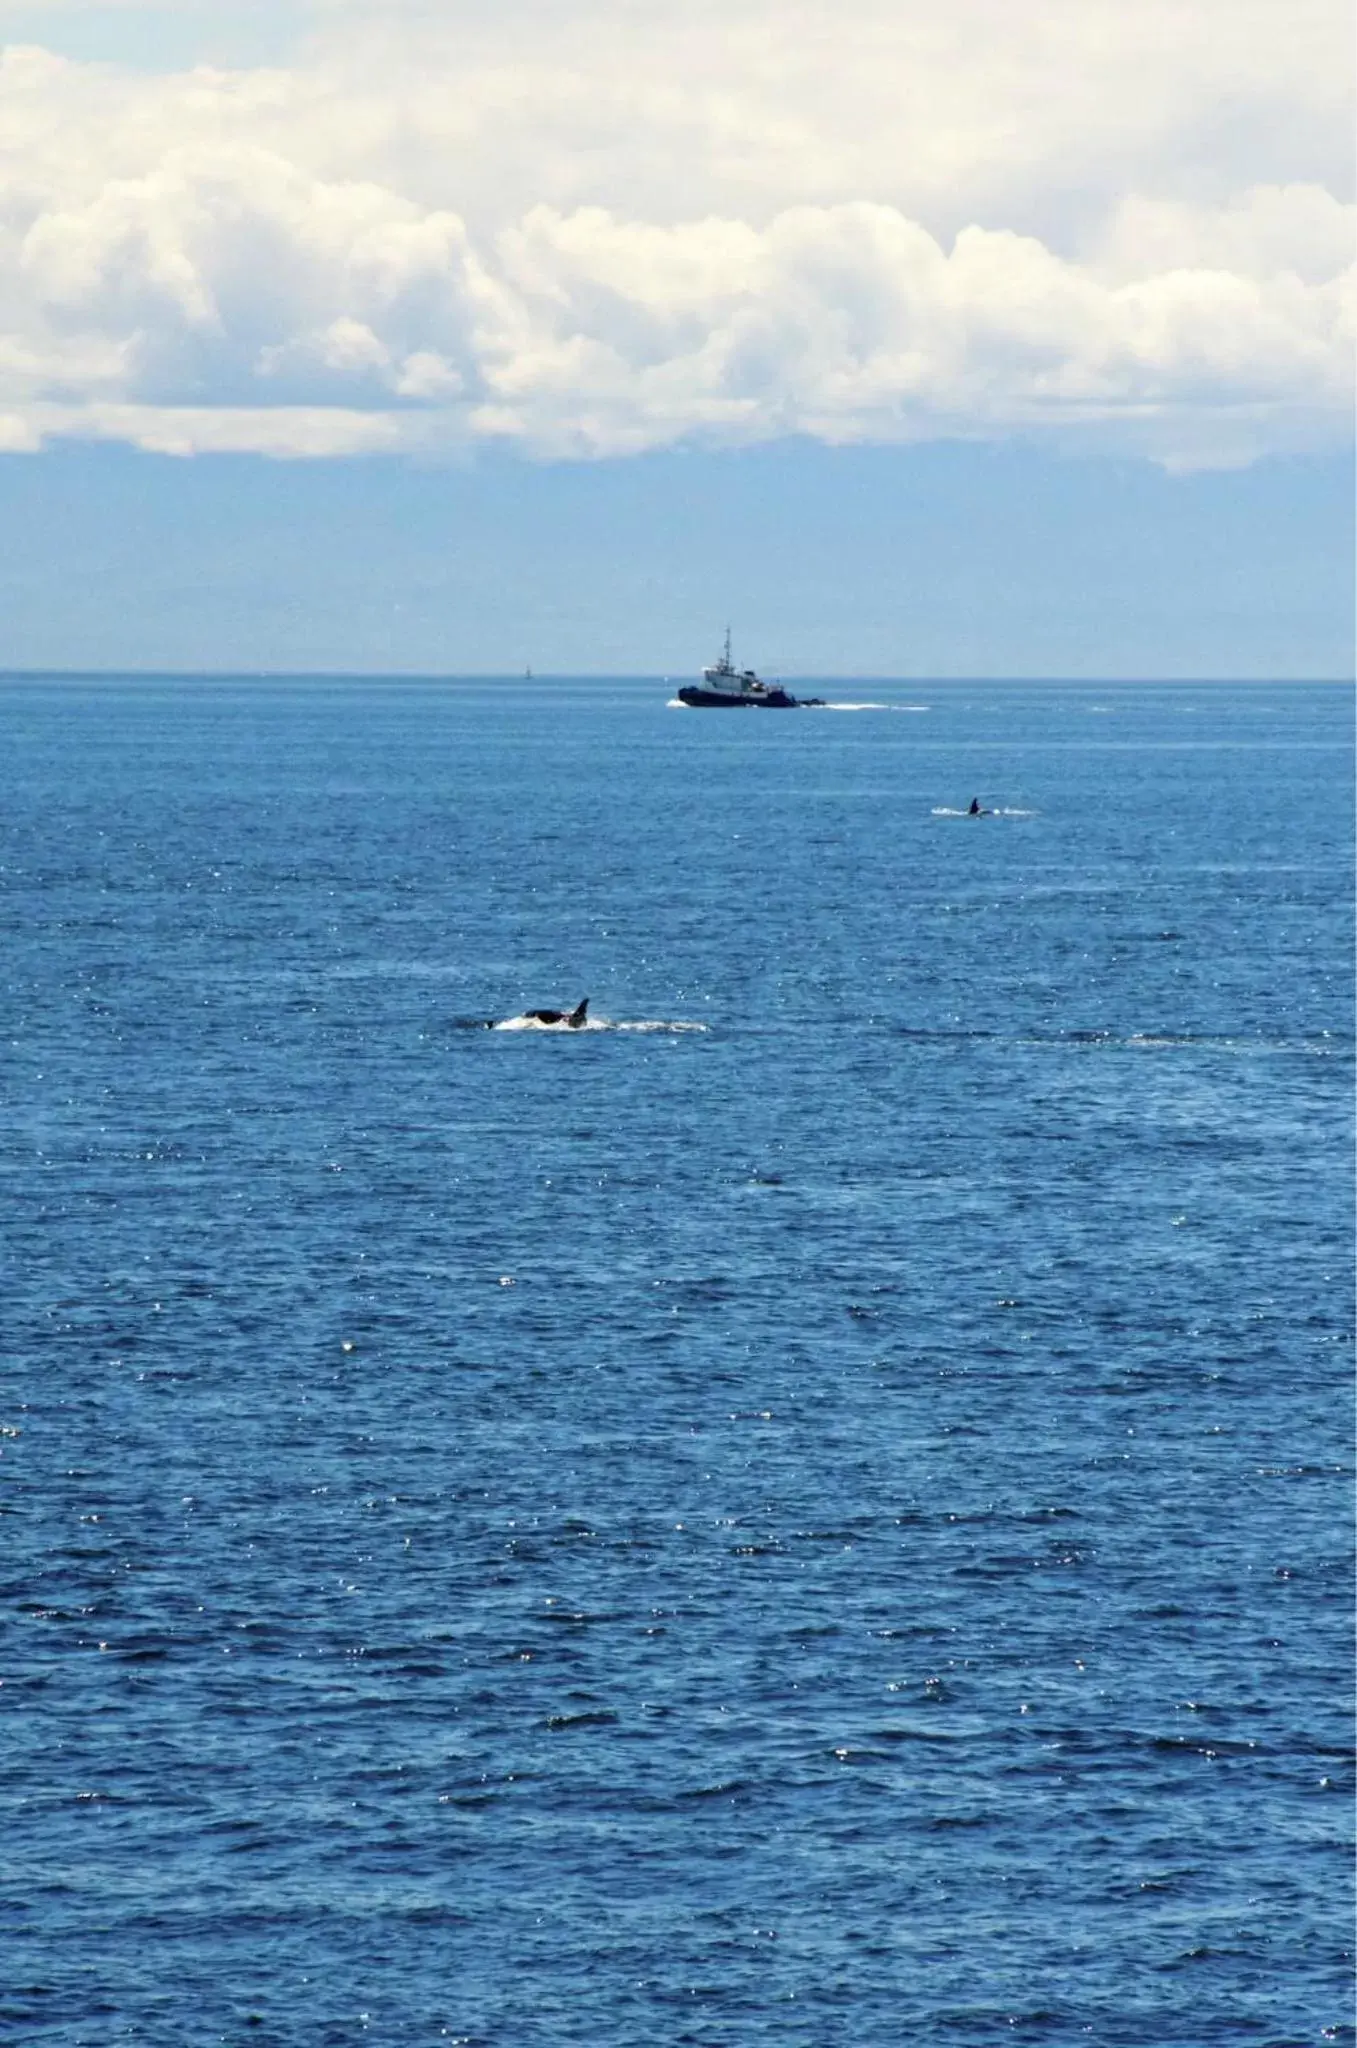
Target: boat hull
x,y
729,700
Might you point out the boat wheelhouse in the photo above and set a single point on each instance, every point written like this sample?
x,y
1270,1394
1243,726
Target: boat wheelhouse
x,y
725,687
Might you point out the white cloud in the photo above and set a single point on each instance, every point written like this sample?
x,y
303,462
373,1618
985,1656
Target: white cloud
x,y
281,430
635,226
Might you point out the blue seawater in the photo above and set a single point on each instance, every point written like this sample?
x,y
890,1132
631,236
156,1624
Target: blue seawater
x,y
832,1528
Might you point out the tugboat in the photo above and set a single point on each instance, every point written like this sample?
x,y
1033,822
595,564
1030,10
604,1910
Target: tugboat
x,y
724,686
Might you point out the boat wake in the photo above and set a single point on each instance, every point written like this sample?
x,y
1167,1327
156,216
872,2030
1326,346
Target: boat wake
x,y
999,811
806,704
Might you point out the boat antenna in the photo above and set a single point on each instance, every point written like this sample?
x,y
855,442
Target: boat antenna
x,y
727,654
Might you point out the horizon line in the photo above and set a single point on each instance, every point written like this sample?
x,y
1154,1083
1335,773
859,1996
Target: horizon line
x,y
656,676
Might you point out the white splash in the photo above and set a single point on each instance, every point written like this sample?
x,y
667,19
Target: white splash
x,y
670,1024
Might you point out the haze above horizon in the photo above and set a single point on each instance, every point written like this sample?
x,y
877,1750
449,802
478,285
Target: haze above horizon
x,y
468,338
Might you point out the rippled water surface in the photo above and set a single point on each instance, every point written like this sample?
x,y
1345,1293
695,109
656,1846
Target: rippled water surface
x,y
813,1512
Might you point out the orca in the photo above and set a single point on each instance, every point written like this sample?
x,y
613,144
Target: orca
x,y
575,1018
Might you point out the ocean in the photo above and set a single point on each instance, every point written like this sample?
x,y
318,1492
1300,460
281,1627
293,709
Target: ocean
x,y
816,1510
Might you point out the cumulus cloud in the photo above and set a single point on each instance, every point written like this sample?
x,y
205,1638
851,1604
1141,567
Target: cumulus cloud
x,y
636,227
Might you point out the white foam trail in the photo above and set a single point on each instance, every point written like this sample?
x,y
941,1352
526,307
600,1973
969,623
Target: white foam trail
x,y
656,1024
677,704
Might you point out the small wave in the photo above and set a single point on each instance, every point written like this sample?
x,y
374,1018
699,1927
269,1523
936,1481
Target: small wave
x,y
913,1031
1185,1041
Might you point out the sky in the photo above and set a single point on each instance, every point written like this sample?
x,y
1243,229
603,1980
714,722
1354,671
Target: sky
x,y
1014,338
